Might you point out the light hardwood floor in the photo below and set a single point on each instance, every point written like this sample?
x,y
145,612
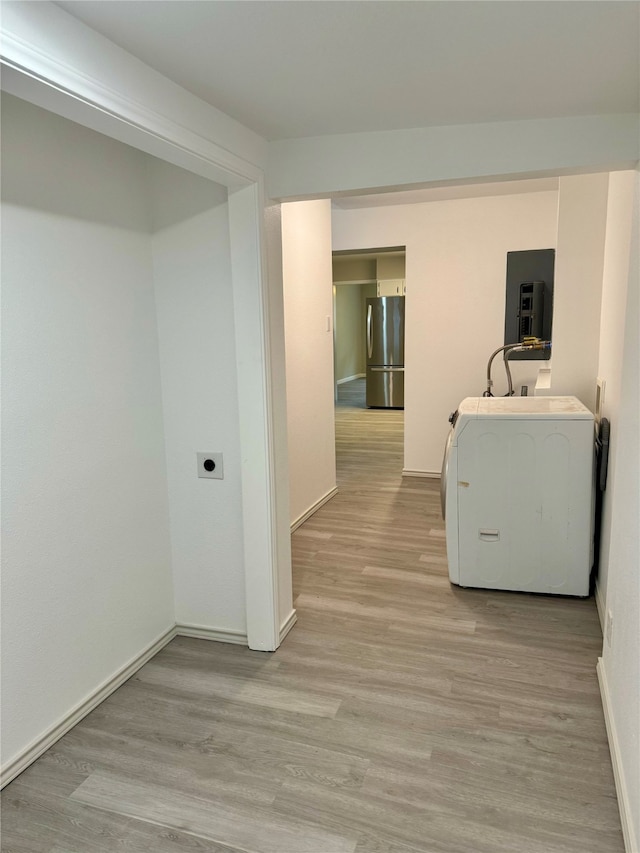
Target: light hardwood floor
x,y
401,714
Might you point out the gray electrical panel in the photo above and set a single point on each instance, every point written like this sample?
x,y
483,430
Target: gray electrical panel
x,y
529,299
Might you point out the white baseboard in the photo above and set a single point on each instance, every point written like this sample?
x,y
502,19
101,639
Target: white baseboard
x,y
628,832
600,606
410,472
288,624
200,632
35,749
316,506
351,378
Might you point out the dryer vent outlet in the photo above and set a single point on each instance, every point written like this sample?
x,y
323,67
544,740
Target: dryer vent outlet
x,y
210,466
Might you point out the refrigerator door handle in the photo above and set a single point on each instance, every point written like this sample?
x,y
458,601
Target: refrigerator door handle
x,y
369,331
387,369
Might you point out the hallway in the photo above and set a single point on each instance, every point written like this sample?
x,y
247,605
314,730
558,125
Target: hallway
x,y
401,714
480,709
379,523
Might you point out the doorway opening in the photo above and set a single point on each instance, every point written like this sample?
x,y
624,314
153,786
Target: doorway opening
x,y
368,323
368,356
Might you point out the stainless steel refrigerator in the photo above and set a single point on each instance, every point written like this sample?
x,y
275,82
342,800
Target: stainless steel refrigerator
x,y
385,352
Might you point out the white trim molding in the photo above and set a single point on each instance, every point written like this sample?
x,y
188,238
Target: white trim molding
x,y
412,472
314,508
45,741
217,635
288,624
255,397
41,744
624,804
38,51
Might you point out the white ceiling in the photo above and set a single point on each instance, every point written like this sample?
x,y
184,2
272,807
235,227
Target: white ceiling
x,y
287,68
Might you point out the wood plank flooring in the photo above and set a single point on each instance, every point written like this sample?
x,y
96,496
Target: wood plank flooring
x,y
401,714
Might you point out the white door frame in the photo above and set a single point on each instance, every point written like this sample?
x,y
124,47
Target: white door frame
x,y
37,67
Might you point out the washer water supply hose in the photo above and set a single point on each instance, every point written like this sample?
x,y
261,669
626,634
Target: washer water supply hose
x,y
526,344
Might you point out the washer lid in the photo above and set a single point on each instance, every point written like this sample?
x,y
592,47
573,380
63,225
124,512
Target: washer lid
x,y
469,406
526,407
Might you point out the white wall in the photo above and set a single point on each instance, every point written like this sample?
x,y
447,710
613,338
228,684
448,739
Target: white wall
x,y
307,277
86,560
455,272
105,524
349,331
620,665
612,322
55,61
582,218
194,300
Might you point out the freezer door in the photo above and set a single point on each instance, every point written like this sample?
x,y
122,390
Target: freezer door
x,y
385,387
385,331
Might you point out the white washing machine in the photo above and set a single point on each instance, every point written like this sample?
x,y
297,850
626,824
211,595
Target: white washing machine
x,y
518,494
